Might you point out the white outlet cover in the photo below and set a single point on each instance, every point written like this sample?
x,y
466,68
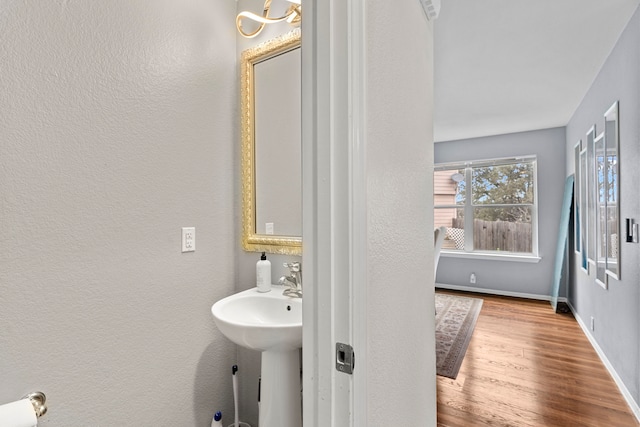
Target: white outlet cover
x,y
431,8
188,239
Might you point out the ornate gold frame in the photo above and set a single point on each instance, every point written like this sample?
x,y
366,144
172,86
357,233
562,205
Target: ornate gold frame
x,y
251,241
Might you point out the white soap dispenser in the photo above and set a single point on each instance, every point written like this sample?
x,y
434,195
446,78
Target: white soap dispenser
x,y
263,274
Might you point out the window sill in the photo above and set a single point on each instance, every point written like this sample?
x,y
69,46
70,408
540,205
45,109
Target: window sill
x,y
491,257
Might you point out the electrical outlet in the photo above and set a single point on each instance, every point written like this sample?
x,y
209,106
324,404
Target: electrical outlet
x,y
472,278
188,239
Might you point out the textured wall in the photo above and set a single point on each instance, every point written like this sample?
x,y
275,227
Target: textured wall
x,y
517,277
117,128
399,121
615,310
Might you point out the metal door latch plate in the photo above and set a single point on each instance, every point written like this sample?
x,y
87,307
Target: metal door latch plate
x,y
345,358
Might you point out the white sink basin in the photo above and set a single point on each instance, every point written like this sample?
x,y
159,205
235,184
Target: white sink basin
x,y
261,321
272,324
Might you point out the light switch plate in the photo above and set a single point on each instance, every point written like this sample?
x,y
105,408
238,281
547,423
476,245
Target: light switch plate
x,y
188,239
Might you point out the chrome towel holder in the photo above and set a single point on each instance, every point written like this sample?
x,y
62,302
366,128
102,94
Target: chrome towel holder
x,y
39,402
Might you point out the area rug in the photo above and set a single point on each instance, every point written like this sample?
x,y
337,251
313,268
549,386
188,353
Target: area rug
x,y
455,320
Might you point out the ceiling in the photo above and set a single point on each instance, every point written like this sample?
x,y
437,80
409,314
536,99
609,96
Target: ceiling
x,y
504,66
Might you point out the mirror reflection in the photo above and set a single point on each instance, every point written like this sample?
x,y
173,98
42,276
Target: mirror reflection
x,y
277,145
271,146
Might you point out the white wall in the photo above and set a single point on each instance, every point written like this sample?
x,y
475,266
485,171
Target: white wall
x,y
117,127
400,297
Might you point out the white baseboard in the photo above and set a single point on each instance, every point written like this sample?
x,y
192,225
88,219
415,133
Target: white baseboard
x,y
633,405
497,292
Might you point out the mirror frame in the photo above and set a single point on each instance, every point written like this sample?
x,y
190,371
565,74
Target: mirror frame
x,y
251,241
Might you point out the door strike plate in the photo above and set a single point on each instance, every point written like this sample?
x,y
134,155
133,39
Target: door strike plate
x,y
345,358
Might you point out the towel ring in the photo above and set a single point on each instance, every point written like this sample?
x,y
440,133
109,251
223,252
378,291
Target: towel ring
x,y
38,400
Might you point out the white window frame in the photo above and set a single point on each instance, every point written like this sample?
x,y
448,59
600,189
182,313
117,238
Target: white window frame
x,y
468,251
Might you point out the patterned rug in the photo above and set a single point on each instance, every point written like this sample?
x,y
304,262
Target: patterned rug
x,y
455,319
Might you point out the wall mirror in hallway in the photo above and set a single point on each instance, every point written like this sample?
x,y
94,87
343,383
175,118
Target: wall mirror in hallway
x,y
582,194
602,245
612,188
597,206
591,196
271,162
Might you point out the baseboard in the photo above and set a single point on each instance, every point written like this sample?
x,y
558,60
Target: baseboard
x,y
633,405
497,292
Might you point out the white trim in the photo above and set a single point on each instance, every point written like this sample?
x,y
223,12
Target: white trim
x,y
338,150
327,302
535,219
491,256
495,161
497,292
358,239
633,405
468,206
602,284
317,338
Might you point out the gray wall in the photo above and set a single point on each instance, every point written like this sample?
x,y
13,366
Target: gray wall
x,y
616,310
117,128
510,276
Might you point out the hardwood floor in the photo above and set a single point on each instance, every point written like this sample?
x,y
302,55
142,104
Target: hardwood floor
x,y
527,366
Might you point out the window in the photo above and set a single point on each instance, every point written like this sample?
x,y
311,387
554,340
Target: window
x,y
488,206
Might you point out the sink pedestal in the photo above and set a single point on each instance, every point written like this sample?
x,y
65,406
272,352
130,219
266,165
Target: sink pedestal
x,y
271,323
280,389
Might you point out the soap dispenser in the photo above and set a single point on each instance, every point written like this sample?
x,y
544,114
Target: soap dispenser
x,y
263,274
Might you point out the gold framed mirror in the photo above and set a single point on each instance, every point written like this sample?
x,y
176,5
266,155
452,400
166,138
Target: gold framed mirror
x,y
271,146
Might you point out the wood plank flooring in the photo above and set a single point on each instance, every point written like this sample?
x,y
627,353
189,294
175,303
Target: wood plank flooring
x,y
527,366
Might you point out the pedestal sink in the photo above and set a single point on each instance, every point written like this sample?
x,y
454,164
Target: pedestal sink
x,y
271,323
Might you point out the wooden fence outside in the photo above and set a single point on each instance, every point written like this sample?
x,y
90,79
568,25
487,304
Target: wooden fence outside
x,y
499,235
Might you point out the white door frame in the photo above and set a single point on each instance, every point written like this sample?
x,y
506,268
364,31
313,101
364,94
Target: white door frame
x,y
334,210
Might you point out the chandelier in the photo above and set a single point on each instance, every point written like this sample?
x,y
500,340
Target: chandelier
x,y
292,16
